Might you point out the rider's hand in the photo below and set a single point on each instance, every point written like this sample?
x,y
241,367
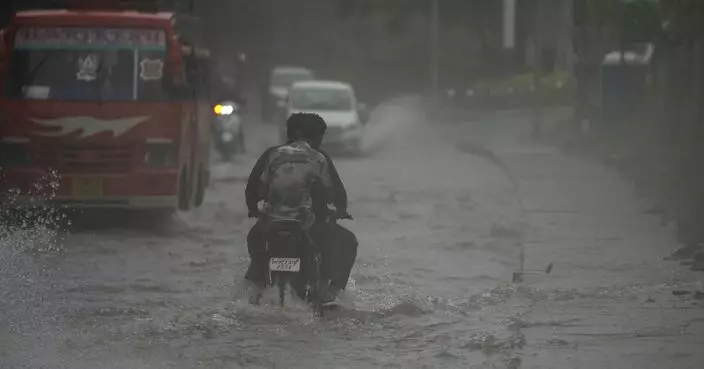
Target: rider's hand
x,y
253,214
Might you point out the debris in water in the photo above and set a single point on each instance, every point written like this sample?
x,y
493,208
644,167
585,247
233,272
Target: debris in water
x,y
518,276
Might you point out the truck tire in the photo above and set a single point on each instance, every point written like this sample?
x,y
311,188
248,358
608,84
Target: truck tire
x,y
202,184
184,193
160,217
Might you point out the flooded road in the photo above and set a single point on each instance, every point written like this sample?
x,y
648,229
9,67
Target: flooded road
x,y
441,228
437,232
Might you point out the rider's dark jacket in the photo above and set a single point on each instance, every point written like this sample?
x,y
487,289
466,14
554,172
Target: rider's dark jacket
x,y
254,193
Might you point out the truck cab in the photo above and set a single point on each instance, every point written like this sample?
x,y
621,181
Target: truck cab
x,y
111,102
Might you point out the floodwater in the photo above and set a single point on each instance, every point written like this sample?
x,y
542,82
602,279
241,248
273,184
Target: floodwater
x,y
440,230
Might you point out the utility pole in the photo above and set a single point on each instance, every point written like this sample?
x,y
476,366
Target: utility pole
x,y
509,22
582,50
435,53
538,92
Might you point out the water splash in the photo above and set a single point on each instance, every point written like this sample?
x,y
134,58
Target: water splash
x,y
28,237
390,121
25,224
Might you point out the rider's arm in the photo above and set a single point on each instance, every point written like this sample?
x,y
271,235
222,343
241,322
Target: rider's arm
x,y
253,193
339,193
323,181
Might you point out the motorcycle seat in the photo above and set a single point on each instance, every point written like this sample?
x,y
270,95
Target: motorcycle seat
x,y
285,226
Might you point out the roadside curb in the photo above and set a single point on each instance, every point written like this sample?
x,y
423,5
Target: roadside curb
x,y
692,246
472,148
609,279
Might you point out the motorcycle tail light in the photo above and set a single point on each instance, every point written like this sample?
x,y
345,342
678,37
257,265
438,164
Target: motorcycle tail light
x,y
161,155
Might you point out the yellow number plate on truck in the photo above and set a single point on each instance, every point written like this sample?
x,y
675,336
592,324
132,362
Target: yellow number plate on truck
x,y
87,187
285,265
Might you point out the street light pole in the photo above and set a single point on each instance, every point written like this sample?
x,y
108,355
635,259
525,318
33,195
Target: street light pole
x,y
509,23
434,52
538,38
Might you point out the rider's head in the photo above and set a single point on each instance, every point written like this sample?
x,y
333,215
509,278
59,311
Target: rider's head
x,y
306,126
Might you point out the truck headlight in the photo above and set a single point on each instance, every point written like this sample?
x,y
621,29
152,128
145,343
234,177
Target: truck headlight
x,y
13,155
161,155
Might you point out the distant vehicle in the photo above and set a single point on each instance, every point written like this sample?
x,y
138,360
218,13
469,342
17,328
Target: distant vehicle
x,y
277,86
229,129
228,125
335,102
113,101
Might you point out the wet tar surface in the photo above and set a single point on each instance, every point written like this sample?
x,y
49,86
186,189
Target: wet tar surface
x,y
442,229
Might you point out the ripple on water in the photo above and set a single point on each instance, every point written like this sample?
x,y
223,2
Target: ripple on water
x,y
414,328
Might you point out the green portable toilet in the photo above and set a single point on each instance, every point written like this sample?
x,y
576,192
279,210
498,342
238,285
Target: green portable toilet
x,y
624,76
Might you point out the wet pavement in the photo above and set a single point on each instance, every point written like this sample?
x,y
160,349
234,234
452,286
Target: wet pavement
x,y
611,300
445,213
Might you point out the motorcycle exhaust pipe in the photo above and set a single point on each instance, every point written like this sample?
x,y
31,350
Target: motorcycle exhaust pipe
x,y
518,275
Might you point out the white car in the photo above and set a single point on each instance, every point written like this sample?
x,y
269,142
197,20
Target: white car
x,y
280,80
337,104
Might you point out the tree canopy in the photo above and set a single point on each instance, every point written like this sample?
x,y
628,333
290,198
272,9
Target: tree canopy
x,y
395,11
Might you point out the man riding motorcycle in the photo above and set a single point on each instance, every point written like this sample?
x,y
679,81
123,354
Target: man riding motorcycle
x,y
339,245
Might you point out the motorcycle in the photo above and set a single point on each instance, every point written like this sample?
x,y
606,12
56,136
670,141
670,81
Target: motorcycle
x,y
229,130
295,261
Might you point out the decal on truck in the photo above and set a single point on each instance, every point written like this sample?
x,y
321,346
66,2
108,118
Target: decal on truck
x,y
151,69
80,37
88,67
87,126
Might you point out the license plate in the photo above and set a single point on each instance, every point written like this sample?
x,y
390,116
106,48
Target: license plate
x,y
87,187
227,137
285,265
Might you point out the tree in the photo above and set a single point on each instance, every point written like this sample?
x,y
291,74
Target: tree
x,y
467,13
602,26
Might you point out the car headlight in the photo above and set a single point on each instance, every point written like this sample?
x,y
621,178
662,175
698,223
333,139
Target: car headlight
x,y
161,155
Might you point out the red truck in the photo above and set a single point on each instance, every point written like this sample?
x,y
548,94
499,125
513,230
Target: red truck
x,y
113,101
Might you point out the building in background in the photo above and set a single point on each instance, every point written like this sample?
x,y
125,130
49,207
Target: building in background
x,y
380,56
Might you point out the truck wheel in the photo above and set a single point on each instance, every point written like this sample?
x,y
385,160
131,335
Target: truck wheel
x,y
241,148
202,184
160,217
184,198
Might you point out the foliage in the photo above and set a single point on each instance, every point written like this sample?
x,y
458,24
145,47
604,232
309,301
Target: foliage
x,y
396,12
673,110
519,91
641,21
682,19
525,84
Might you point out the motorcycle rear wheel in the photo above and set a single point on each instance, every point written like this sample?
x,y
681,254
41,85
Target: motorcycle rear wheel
x,y
281,284
317,298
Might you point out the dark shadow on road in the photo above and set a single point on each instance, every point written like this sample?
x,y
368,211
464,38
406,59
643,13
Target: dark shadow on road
x,y
93,220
